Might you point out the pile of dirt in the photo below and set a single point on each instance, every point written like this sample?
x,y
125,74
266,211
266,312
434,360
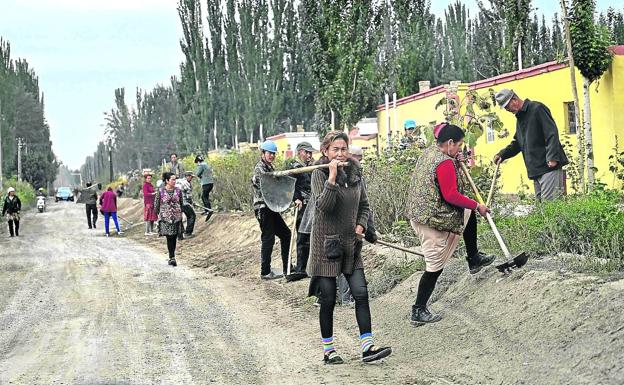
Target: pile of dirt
x,y
539,325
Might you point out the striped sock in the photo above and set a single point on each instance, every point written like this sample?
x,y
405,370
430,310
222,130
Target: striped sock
x,y
328,344
366,340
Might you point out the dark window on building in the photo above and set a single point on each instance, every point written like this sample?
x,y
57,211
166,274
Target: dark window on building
x,y
570,118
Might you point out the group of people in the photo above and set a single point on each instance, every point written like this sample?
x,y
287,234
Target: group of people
x,y
334,213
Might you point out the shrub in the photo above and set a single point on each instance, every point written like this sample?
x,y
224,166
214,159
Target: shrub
x,y
23,190
590,225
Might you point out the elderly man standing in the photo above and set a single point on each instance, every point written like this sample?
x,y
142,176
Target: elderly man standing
x,y
537,138
175,167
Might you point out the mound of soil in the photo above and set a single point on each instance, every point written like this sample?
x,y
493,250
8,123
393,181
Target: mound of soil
x,y
539,325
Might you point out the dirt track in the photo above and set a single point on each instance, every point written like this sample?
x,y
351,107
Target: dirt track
x,y
79,308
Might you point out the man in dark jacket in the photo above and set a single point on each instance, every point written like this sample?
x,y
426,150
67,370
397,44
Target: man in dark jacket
x,y
537,138
303,192
91,205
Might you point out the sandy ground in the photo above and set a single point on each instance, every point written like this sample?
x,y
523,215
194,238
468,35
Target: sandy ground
x,y
79,308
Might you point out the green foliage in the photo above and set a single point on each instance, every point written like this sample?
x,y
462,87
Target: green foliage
x,y
590,41
616,162
590,225
23,190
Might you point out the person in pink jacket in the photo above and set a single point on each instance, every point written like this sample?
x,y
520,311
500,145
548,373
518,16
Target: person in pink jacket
x,y
108,207
149,215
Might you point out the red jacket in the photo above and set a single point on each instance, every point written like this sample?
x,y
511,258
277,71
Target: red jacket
x,y
108,201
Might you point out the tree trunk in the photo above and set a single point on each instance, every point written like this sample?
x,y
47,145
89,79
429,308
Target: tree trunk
x,y
589,146
577,114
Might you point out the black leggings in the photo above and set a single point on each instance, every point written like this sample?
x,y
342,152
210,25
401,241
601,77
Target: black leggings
x,y
327,299
11,230
470,235
425,288
171,245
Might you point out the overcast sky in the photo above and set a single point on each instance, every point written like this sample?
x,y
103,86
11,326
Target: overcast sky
x,y
83,49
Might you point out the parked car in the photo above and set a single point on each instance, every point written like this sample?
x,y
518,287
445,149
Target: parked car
x,y
64,194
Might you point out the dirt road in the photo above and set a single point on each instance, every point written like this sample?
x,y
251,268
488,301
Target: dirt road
x,y
79,308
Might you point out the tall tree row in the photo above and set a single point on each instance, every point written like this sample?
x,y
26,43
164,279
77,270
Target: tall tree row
x,y
22,116
253,68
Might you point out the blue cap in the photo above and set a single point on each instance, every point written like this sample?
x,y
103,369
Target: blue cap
x,y
269,145
409,124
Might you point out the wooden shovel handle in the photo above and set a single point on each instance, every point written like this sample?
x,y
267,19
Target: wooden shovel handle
x,y
391,245
491,194
303,170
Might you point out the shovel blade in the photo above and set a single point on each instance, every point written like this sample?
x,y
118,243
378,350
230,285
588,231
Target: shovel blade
x,y
277,191
516,262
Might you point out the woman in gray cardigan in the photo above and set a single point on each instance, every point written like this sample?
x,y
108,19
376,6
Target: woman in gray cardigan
x,y
340,216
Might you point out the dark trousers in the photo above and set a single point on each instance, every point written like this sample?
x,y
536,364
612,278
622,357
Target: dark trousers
x,y
91,210
206,189
303,244
11,230
190,220
272,224
171,245
327,299
470,236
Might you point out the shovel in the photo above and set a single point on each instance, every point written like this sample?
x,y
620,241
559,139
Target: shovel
x,y
517,261
295,276
491,194
278,187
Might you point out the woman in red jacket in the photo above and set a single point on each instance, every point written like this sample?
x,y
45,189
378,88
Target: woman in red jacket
x,y
108,207
149,214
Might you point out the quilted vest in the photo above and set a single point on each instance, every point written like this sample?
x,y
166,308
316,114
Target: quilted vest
x,y
426,204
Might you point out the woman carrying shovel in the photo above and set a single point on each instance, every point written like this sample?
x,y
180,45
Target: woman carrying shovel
x,y
438,212
340,216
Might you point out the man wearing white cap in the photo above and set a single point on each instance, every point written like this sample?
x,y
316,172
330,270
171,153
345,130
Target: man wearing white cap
x,y
537,138
11,208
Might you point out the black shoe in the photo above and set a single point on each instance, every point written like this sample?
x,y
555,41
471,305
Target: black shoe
x,y
89,227
375,353
479,261
270,276
172,262
94,226
209,215
332,358
421,316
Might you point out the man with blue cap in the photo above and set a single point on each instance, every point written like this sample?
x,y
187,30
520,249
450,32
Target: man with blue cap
x,y
271,223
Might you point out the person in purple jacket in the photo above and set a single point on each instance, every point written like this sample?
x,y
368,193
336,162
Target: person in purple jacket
x,y
108,207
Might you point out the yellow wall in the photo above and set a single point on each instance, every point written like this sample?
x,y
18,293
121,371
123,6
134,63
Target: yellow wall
x,y
552,89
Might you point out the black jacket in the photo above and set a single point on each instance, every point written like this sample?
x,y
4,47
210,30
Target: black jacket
x,y
11,206
537,138
303,185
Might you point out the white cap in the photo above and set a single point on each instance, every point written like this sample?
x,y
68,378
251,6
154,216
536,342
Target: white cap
x,y
10,190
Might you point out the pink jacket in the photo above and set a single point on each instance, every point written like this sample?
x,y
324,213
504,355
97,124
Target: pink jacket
x,y
108,201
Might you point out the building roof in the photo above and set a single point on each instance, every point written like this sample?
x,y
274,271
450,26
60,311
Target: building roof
x,y
499,79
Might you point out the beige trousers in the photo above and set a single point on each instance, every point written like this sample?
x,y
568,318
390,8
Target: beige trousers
x,y
437,246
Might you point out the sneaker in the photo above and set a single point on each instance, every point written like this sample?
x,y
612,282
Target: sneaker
x,y
479,261
332,358
270,276
120,233
209,215
375,353
421,316
172,262
147,234
188,235
107,235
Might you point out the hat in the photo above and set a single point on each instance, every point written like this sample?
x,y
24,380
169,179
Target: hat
x,y
356,150
305,146
409,124
189,173
11,189
504,96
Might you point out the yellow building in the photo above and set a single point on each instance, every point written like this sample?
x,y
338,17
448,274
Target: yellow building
x,y
548,83
287,142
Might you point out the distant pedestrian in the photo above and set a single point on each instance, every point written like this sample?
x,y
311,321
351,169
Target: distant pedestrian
x,y
175,167
121,190
271,223
108,206
168,206
149,215
537,138
91,205
11,208
186,187
204,171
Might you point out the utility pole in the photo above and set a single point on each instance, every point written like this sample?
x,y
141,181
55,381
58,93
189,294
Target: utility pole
x,y
110,158
20,144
